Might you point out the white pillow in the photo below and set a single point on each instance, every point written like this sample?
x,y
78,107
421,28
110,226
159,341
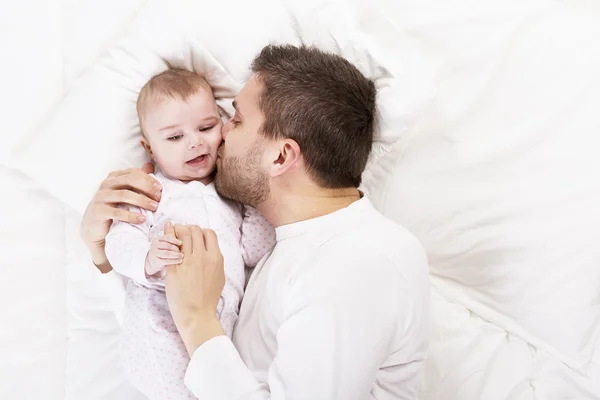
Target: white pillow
x,y
501,183
95,129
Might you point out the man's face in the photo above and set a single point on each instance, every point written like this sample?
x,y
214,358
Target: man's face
x,y
241,171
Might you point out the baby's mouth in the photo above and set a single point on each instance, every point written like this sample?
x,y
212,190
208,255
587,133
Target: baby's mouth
x,y
198,160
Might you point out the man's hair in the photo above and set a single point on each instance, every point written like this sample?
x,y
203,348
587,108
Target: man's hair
x,y
324,103
170,84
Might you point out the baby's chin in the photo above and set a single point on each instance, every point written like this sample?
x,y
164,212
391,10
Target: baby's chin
x,y
205,176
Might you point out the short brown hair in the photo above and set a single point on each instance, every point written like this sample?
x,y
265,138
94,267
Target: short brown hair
x,y
170,84
324,103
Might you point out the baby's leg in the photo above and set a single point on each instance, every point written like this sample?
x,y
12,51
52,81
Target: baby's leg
x,y
155,357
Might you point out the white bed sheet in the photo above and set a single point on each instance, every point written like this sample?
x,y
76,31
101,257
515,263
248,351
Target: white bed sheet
x,y
31,66
33,330
45,45
471,358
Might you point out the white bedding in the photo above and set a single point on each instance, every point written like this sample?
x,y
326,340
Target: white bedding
x,y
497,175
33,330
45,45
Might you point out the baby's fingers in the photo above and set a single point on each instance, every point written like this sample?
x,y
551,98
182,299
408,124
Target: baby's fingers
x,y
171,262
167,246
171,239
169,255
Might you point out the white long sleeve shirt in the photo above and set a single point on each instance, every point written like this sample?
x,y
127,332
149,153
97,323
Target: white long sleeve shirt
x,y
339,310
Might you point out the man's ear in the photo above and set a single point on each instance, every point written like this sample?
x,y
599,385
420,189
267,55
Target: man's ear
x,y
286,155
147,147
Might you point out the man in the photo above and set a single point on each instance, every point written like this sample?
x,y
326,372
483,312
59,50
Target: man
x,y
339,309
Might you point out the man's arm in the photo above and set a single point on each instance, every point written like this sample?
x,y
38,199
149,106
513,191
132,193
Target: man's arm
x,y
343,317
194,287
132,187
99,258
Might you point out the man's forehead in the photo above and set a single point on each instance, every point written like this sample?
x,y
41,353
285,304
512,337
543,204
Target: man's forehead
x,y
247,98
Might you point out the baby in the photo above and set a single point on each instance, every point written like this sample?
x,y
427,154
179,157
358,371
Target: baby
x,y
181,131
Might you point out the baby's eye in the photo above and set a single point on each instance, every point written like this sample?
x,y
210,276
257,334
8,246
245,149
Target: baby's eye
x,y
206,129
175,138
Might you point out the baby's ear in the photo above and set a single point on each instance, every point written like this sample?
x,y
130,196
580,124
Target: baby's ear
x,y
146,146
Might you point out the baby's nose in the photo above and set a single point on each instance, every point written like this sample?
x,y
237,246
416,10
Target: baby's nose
x,y
196,142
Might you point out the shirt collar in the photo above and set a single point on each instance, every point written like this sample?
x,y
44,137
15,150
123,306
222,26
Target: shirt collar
x,y
343,217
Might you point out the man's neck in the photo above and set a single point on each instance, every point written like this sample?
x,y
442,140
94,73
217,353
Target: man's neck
x,y
300,205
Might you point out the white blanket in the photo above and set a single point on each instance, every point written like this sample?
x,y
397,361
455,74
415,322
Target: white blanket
x,y
46,45
494,170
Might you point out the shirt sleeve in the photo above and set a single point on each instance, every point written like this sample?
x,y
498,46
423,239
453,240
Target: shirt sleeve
x,y
258,236
127,246
342,318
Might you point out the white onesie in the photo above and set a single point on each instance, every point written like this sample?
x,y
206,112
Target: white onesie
x,y
154,357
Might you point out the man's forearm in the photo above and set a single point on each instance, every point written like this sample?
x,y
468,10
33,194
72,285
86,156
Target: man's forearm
x,y
99,259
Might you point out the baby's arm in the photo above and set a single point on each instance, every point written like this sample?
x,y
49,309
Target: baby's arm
x,y
127,246
258,236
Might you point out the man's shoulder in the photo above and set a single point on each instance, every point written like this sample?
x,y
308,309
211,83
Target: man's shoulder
x,y
365,253
379,236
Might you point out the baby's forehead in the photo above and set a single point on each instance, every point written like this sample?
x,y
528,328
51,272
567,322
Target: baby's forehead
x,y
160,99
172,84
197,106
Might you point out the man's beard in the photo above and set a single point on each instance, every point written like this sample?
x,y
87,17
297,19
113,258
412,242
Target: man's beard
x,y
242,179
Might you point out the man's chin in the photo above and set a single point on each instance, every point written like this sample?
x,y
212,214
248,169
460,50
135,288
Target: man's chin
x,y
241,181
222,189
233,192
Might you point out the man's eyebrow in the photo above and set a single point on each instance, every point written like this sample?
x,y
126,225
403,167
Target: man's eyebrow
x,y
235,106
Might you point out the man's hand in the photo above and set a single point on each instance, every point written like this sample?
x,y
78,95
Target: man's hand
x,y
132,186
194,286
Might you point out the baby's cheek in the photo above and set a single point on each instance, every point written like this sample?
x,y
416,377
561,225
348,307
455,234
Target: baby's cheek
x,y
215,142
170,161
218,137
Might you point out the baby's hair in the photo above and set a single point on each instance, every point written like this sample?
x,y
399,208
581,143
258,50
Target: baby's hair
x,y
170,84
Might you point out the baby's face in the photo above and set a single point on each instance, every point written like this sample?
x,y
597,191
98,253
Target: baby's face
x,y
182,137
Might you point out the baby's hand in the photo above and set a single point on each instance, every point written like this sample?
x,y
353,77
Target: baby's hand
x,y
163,251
